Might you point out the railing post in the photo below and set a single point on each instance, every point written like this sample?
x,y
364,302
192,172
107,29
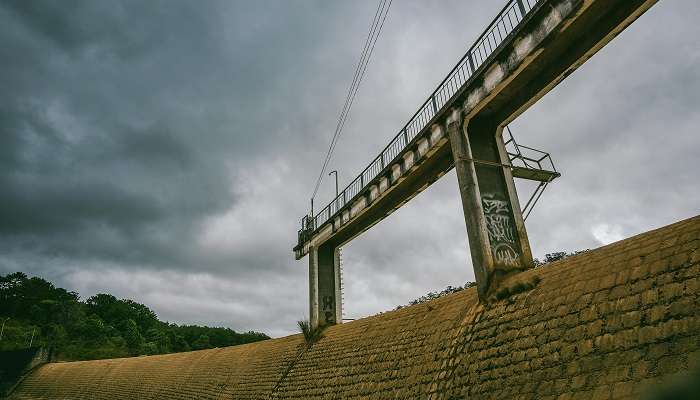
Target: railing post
x,y
522,8
405,138
471,62
432,98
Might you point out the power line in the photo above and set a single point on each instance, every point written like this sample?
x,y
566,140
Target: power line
x,y
351,91
372,37
363,72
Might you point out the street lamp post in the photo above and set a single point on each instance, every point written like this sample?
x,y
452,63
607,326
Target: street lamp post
x,y
336,181
336,193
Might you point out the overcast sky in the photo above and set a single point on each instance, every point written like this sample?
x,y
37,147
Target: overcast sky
x,y
165,151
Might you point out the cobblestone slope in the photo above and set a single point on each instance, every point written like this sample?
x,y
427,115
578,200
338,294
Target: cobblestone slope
x,y
599,325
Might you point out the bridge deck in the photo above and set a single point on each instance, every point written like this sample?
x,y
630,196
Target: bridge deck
x,y
589,25
500,29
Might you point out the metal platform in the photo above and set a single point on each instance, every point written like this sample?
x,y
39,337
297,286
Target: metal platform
x,y
531,164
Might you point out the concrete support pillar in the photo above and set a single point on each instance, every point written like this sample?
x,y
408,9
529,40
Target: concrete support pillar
x,y
325,305
497,237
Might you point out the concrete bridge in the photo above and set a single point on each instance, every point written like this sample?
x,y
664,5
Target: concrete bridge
x,y
529,48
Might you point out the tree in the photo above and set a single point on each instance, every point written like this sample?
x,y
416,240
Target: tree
x,y
92,329
100,327
179,343
144,317
105,305
55,334
159,340
201,343
11,293
132,336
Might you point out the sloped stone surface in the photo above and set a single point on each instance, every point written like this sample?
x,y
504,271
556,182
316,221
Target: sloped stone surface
x,y
600,325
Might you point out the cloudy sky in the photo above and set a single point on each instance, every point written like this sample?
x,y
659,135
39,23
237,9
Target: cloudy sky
x,y
164,151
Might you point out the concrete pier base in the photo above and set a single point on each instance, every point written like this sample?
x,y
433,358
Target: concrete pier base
x,y
325,305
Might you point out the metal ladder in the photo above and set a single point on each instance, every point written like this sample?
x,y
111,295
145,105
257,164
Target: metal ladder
x,y
531,164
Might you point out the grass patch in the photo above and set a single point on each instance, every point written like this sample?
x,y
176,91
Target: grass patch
x,y
311,334
506,292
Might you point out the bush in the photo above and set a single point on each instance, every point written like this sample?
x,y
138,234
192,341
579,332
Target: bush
x,y
311,334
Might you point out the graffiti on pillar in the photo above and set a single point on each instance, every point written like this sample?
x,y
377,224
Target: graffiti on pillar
x,y
328,305
501,230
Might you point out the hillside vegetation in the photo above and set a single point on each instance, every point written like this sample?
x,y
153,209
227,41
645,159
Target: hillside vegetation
x,y
35,312
548,258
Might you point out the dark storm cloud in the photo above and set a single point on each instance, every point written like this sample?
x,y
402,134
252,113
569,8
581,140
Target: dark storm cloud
x,y
165,150
104,125
74,26
130,130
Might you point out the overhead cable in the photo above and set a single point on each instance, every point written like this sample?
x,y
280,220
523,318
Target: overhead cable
x,y
368,48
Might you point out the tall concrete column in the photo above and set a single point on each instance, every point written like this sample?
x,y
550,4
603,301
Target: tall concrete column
x,y
324,285
497,238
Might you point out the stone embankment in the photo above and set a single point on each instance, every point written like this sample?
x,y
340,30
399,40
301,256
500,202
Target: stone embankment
x,y
604,324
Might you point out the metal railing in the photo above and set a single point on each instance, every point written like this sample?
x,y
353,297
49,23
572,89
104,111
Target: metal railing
x,y
533,159
493,36
523,156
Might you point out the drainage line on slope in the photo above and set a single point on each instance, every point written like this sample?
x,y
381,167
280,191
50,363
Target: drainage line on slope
x,y
288,370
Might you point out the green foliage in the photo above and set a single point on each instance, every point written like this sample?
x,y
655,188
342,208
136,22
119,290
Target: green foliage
x,y
311,334
132,336
100,327
503,292
556,256
202,342
436,295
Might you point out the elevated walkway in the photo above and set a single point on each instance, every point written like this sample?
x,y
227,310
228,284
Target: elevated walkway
x,y
529,47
